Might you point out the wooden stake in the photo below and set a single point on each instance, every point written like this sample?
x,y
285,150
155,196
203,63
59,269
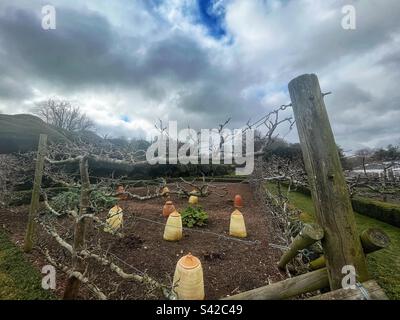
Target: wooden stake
x,y
33,209
329,192
310,234
73,283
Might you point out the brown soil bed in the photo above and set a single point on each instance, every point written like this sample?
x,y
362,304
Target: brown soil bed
x,y
229,266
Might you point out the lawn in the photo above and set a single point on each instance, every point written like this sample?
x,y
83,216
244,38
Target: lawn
x,y
383,265
19,280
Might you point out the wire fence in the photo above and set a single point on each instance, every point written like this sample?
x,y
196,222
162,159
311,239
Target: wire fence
x,y
219,235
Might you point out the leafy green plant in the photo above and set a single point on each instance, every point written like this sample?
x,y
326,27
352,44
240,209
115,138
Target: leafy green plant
x,y
101,201
69,200
65,201
194,216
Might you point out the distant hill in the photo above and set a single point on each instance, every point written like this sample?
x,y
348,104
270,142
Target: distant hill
x,y
85,136
20,132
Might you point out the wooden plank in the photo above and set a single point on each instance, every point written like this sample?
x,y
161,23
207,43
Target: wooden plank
x,y
33,209
288,288
331,199
373,290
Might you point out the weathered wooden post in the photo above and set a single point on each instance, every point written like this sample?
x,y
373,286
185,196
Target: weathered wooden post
x,y
73,283
334,213
33,209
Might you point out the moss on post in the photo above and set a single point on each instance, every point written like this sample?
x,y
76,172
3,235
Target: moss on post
x,y
33,209
334,213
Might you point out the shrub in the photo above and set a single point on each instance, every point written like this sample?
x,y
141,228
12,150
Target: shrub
x,y
102,201
383,211
69,200
194,216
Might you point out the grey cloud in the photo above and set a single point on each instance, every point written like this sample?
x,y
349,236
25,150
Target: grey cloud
x,y
85,50
376,22
88,52
79,51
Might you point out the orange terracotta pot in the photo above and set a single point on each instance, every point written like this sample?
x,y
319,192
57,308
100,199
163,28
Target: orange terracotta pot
x,y
238,202
168,209
121,193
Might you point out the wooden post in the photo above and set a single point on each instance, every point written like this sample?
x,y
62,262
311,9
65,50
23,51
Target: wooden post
x,y
329,192
33,209
310,234
73,283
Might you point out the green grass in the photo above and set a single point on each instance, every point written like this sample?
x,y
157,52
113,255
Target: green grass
x,y
384,265
19,280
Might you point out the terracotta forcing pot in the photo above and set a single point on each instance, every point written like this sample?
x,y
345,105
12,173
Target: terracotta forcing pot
x,y
238,201
168,209
193,200
120,192
114,219
188,278
165,192
173,227
237,227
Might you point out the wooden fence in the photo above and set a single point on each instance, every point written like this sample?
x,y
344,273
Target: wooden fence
x,y
336,227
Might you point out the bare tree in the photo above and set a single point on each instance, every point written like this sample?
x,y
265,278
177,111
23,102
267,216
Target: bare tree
x,y
63,114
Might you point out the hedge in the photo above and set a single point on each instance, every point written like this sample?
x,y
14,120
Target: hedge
x,y
382,211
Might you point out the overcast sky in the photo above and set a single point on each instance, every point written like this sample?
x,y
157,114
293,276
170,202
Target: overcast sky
x,y
130,62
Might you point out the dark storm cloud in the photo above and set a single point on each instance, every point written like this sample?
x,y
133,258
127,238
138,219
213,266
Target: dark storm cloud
x,y
150,59
85,50
178,57
79,52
